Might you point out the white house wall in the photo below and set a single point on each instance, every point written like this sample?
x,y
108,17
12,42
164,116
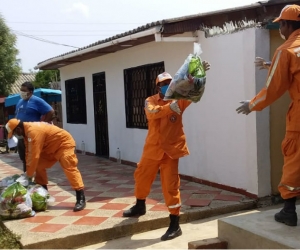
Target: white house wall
x,y
222,144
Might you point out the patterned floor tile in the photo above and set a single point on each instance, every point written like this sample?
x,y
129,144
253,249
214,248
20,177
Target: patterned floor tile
x,y
64,220
38,219
197,203
48,228
228,197
101,199
78,213
207,192
109,190
114,206
89,220
159,207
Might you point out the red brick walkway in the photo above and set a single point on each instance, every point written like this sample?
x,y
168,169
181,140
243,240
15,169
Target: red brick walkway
x,y
109,189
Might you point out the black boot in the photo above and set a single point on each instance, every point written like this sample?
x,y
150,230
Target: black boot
x,y
24,167
80,201
288,214
174,229
45,186
138,209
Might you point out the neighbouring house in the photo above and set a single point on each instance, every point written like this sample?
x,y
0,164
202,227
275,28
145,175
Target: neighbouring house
x,y
104,86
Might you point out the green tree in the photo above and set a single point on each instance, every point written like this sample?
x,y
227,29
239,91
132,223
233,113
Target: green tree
x,y
9,64
44,77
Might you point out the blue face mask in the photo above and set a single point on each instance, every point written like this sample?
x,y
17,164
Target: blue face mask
x,y
163,89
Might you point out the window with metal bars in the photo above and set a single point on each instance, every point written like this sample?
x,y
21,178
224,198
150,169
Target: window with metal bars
x,y
76,101
139,83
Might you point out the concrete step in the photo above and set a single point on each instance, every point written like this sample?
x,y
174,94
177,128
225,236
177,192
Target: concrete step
x,y
258,230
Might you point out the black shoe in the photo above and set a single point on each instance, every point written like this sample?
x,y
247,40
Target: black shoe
x,y
80,201
288,218
45,186
174,229
138,209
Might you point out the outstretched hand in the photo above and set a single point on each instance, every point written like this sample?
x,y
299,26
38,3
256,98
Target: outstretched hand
x,y
261,63
244,108
206,65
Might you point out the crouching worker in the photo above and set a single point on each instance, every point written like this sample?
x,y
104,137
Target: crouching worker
x,y
45,144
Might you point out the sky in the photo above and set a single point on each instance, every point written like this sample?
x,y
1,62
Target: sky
x,y
49,28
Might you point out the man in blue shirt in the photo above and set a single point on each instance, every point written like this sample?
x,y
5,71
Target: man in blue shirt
x,y
30,109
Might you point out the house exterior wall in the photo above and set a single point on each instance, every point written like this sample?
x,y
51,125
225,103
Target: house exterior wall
x,y
223,145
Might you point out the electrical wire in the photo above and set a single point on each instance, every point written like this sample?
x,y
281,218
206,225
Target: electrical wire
x,y
41,39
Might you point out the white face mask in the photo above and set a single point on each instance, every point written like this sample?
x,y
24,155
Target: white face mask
x,y
282,36
24,95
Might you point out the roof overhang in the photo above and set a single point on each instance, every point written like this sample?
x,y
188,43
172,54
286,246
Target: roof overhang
x,y
167,31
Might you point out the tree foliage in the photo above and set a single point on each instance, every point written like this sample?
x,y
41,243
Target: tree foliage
x,y
44,77
9,64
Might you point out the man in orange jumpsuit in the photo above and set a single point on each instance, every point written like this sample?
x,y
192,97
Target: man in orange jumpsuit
x,y
165,144
284,75
46,144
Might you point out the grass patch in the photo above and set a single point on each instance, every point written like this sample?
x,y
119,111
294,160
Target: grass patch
x,y
9,240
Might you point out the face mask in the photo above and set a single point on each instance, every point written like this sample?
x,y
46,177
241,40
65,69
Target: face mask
x,y
163,89
282,36
24,95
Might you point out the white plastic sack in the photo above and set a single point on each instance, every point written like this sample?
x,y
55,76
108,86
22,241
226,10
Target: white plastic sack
x,y
9,180
40,197
180,86
12,142
15,202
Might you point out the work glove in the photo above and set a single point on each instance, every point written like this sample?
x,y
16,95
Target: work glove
x,y
244,108
261,63
24,180
206,65
174,106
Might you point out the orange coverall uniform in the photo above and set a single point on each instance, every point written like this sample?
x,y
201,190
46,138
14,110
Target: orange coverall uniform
x,y
45,145
284,75
164,145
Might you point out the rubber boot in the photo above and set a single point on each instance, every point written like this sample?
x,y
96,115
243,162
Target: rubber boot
x,y
80,201
288,214
138,209
24,167
45,186
174,229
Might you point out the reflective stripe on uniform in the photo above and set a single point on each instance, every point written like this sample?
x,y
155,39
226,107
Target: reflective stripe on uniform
x,y
289,187
150,110
273,68
175,206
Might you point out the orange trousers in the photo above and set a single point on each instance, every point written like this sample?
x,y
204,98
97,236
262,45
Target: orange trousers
x,y
146,173
68,161
289,186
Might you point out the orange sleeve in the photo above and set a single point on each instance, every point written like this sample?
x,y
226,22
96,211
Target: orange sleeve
x,y
154,111
278,82
35,142
183,104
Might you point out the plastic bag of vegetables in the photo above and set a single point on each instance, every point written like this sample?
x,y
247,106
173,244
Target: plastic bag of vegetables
x,y
15,202
9,180
181,86
39,196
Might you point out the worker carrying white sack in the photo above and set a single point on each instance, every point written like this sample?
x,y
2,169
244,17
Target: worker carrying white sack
x,y
189,81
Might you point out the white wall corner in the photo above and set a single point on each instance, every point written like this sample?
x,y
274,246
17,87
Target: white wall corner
x,y
262,49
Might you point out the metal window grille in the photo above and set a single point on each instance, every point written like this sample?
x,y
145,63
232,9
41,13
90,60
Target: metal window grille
x,y
139,83
76,101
